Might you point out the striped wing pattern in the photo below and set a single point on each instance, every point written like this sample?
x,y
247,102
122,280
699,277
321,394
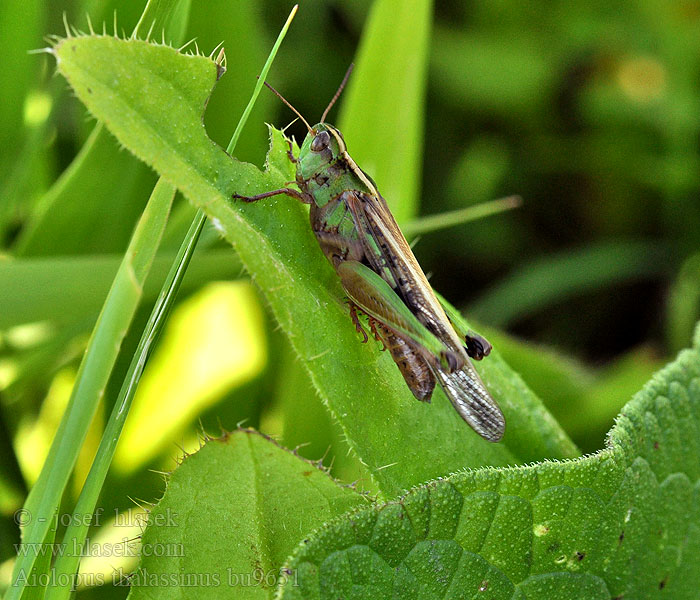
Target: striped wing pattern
x,y
462,385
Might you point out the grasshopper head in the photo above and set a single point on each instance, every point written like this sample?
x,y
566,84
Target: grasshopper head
x,y
322,146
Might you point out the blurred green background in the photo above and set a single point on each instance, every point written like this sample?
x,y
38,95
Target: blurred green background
x,y
590,111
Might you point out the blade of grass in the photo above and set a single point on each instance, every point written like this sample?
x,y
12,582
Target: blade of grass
x,y
683,304
261,81
69,217
43,563
560,276
252,47
383,110
95,369
68,289
93,374
458,217
67,564
21,26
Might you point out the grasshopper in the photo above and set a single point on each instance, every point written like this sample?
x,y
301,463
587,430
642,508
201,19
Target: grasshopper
x,y
382,278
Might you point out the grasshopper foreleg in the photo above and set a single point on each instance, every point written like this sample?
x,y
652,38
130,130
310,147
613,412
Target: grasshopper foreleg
x,y
287,191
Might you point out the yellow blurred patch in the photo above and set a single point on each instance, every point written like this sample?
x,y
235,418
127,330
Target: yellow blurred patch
x,y
34,436
37,108
112,552
642,78
213,343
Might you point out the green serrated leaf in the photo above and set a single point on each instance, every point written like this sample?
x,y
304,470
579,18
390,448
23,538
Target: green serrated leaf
x,y
622,523
152,98
235,510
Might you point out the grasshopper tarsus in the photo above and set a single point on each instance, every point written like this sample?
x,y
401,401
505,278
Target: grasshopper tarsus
x,y
290,152
356,321
477,347
373,327
453,361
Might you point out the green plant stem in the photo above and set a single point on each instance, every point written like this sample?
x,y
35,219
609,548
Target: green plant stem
x,y
458,217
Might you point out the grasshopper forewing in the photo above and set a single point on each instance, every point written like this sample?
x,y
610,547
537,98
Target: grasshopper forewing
x,y
377,268
461,384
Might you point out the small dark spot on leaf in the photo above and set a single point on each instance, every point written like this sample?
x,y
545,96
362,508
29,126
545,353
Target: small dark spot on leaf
x,y
306,473
553,547
663,582
620,597
656,445
580,555
622,537
89,91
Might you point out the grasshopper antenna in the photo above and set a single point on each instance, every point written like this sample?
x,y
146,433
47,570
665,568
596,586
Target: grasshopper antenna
x,y
337,94
296,112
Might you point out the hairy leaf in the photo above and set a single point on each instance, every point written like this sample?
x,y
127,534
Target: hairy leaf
x,y
151,98
231,514
622,523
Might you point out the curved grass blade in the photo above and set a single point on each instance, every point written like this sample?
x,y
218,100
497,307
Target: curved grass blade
x,y
430,223
67,563
557,277
93,374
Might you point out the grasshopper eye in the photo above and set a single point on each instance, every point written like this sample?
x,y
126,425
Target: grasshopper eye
x,y
320,142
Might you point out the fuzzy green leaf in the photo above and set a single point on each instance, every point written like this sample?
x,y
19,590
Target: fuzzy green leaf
x,y
152,98
234,510
622,523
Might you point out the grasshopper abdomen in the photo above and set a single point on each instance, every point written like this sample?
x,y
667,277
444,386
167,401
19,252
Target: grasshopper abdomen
x,y
415,370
